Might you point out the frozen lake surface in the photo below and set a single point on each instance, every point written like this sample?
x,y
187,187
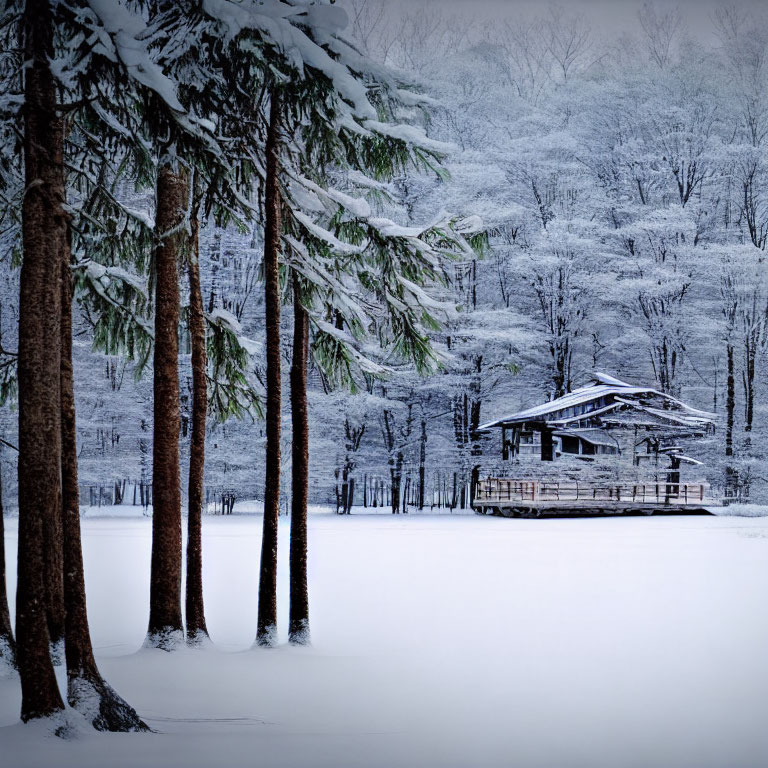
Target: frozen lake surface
x,y
445,642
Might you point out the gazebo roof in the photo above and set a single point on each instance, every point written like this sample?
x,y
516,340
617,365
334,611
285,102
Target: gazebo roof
x,y
618,393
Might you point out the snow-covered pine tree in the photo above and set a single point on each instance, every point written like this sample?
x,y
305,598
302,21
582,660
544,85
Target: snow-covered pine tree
x,y
321,81
338,249
87,691
156,131
294,45
143,95
178,29
237,116
47,32
173,196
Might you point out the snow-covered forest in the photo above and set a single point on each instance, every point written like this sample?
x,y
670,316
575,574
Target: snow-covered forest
x,y
272,257
619,172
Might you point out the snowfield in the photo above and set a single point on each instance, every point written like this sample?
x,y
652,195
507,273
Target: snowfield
x,y
443,642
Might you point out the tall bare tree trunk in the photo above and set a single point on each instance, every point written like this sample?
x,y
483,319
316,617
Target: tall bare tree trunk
x,y
45,242
396,475
266,633
298,625
748,376
87,691
731,473
166,630
7,643
197,632
730,401
422,462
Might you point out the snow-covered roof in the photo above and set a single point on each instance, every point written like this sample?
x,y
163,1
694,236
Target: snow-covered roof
x,y
602,385
676,452
691,418
604,378
688,459
564,423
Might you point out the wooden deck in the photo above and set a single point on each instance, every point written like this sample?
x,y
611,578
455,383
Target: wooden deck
x,y
534,498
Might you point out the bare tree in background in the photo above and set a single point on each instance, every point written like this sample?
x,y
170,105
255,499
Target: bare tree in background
x,y
527,57
569,41
370,27
661,30
408,36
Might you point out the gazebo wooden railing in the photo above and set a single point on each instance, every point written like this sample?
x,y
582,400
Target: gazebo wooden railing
x,y
494,489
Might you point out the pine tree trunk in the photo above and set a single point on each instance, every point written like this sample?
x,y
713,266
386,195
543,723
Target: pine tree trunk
x,y
749,381
87,691
165,629
7,643
54,584
395,475
266,632
731,474
422,462
730,402
197,632
344,495
473,482
298,626
351,495
45,240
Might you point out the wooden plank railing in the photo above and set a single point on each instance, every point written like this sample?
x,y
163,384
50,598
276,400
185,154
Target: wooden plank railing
x,y
498,489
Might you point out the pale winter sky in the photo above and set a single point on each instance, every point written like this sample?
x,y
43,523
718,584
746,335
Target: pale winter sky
x,y
608,15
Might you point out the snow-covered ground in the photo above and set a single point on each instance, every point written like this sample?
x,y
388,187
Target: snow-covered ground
x,y
741,510
442,641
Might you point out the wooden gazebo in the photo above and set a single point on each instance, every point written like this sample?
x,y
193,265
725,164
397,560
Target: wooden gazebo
x,y
608,421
